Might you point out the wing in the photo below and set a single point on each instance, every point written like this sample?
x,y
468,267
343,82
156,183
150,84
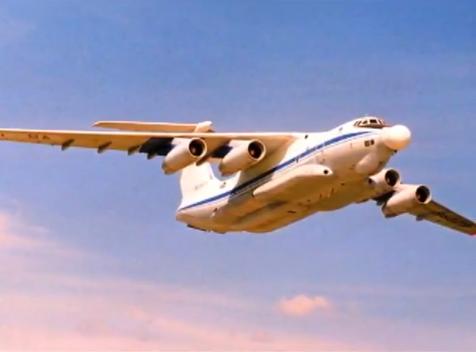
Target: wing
x,y
441,215
417,200
151,143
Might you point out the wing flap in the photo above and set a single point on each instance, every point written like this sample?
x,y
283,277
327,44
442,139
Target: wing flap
x,y
441,215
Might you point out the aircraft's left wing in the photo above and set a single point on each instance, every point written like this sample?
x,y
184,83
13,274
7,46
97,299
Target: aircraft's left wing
x,y
151,143
441,215
417,201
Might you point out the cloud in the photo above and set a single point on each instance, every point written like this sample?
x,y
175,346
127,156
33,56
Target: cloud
x,y
49,300
302,305
130,315
12,237
31,249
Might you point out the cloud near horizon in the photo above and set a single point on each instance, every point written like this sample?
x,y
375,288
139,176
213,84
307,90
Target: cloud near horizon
x,y
45,306
303,305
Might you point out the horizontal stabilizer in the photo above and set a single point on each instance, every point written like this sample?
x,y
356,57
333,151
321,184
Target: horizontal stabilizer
x,y
205,126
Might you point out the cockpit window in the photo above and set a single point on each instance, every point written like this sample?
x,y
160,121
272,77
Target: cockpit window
x,y
370,123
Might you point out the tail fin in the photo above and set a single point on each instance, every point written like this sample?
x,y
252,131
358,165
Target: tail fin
x,y
196,182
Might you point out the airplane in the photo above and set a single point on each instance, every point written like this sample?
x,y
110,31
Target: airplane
x,y
268,180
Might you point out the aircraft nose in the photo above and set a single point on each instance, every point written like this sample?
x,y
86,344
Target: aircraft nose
x,y
397,137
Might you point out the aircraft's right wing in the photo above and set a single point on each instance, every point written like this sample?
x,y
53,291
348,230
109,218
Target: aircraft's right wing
x,y
151,142
441,215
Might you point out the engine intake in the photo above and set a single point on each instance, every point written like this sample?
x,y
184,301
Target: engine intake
x,y
184,154
392,177
242,157
405,199
422,194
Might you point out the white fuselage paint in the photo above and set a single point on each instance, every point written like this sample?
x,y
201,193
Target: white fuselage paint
x,y
351,153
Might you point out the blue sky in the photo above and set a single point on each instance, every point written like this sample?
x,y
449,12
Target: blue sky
x,y
89,248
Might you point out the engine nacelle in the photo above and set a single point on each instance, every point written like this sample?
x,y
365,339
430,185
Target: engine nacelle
x,y
384,182
405,199
184,154
242,157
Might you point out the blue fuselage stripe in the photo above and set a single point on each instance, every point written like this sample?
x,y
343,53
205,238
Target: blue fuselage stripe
x,y
306,153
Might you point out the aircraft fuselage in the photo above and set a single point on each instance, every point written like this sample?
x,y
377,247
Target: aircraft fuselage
x,y
316,172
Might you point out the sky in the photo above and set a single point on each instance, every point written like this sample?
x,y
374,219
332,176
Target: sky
x,y
91,257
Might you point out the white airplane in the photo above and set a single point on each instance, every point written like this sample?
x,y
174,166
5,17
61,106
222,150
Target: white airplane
x,y
269,180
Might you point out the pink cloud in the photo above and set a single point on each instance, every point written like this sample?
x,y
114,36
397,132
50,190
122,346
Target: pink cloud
x,y
46,303
115,320
49,302
16,234
302,305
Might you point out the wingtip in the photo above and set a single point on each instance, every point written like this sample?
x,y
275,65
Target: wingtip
x,y
204,126
97,124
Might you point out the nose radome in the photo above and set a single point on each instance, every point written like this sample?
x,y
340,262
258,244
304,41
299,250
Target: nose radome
x,y
397,137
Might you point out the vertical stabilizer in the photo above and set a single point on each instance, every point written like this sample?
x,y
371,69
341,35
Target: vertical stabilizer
x,y
196,182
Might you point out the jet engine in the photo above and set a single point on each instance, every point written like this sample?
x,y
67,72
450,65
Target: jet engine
x,y
242,157
184,154
405,199
384,182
